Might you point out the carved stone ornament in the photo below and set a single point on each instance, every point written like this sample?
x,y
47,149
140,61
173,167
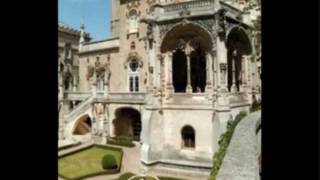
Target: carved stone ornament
x,y
133,56
151,2
221,21
133,4
100,70
208,24
150,31
164,28
184,12
223,67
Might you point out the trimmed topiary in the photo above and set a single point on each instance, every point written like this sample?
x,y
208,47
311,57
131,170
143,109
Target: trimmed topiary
x,y
121,141
109,162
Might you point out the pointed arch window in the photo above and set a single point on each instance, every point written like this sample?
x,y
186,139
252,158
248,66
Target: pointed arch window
x,y
134,76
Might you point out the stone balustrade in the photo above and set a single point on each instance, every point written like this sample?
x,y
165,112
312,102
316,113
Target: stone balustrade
x,y
80,96
84,105
127,97
189,5
189,8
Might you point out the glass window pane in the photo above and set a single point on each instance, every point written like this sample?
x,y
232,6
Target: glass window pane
x,y
137,83
131,84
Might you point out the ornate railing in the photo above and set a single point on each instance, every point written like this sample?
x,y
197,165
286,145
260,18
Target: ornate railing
x,y
76,95
189,5
84,105
127,97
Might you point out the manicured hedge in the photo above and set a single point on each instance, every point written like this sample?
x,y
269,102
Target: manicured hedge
x,y
223,145
121,141
126,176
109,171
168,178
109,162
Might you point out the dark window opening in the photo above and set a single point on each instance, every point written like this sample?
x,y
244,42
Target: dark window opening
x,y
188,137
179,70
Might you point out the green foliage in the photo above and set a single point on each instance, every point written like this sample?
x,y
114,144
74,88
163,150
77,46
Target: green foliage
x,y
126,176
121,141
224,141
255,106
109,162
168,178
86,162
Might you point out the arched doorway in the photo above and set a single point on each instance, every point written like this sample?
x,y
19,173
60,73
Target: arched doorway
x,y
83,126
188,137
238,44
127,123
188,43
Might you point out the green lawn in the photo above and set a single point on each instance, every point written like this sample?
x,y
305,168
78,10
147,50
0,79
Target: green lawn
x,y
86,162
126,176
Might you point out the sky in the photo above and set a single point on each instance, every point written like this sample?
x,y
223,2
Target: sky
x,y
95,14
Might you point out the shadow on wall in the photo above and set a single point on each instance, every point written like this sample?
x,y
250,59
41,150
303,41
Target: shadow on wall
x,y
127,123
83,126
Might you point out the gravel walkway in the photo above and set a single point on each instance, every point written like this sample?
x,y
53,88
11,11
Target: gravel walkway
x,y
241,159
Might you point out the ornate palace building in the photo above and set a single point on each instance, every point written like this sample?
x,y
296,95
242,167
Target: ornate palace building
x,y
171,76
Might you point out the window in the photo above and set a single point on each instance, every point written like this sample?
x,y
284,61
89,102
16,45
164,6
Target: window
x,y
133,21
134,76
133,46
188,137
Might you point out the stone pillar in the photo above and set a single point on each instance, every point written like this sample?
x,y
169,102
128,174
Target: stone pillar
x,y
243,87
61,121
189,87
209,72
169,77
93,84
233,86
61,92
221,54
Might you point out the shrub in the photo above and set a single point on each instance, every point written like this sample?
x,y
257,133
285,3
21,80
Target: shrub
x,y
255,106
109,162
224,141
121,141
168,178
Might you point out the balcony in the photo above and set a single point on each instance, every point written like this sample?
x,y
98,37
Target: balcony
x,y
190,8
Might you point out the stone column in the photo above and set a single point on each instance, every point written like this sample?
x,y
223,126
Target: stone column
x,y
61,121
189,87
221,54
93,84
169,77
233,86
209,70
243,87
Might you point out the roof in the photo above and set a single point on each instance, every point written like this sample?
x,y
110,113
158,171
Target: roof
x,y
65,28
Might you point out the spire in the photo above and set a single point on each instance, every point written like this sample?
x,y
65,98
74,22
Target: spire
x,y
82,34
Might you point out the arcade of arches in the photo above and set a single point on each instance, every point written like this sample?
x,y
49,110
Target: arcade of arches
x,y
188,47
238,45
188,50
127,123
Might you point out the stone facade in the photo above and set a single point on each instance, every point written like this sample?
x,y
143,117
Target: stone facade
x,y
177,63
